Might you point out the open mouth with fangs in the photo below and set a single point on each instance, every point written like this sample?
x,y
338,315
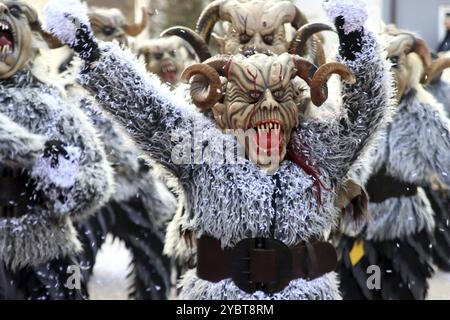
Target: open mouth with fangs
x,y
7,39
269,137
169,72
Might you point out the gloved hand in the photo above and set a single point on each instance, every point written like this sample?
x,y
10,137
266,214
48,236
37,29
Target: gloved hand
x,y
67,20
349,17
53,149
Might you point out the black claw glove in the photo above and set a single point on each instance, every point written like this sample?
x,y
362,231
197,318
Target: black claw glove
x,y
351,43
53,149
86,44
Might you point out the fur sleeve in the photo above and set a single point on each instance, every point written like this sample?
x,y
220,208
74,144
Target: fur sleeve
x,y
336,144
153,116
18,146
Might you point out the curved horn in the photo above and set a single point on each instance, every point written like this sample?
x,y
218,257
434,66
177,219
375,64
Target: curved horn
x,y
190,36
208,18
299,42
135,29
407,43
206,87
421,48
305,69
319,88
436,68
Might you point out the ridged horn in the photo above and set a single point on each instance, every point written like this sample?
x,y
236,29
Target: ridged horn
x,y
190,36
299,43
205,84
208,19
319,87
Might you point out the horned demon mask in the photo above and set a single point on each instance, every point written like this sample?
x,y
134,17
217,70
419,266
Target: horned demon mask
x,y
256,26
20,33
405,68
110,24
258,94
166,57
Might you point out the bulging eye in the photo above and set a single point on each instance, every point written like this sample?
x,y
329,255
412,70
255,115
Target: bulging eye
x,y
278,95
108,31
173,53
254,95
268,39
15,10
244,38
158,55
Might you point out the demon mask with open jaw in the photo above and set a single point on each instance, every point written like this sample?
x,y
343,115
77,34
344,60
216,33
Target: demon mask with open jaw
x,y
166,57
19,32
260,98
405,68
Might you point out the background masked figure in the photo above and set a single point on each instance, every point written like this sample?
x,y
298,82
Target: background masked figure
x,y
166,57
53,169
140,208
414,148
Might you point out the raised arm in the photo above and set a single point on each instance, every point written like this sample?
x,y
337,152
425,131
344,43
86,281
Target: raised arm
x,y
336,144
138,100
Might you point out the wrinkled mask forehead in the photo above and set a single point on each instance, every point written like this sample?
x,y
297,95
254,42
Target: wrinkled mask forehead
x,y
260,72
258,16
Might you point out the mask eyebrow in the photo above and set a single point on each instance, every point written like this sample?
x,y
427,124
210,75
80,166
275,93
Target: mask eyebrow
x,y
248,79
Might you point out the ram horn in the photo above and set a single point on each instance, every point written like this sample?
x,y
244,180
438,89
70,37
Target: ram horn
x,y
299,43
319,87
204,78
190,36
208,19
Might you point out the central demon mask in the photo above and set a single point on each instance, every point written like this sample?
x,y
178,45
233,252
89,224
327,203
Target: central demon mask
x,y
257,94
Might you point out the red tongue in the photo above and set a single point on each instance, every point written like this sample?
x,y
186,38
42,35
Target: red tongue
x,y
269,141
4,41
170,76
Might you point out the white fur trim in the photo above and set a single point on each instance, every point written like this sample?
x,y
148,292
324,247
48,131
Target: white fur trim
x,y
57,22
354,12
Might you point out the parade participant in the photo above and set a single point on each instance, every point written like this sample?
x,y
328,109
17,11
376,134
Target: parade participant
x,y
259,221
398,237
53,168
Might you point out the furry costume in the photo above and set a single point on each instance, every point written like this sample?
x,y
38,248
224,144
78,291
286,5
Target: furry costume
x,y
136,213
236,201
440,195
32,113
397,238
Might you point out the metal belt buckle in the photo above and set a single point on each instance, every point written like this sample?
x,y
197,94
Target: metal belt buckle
x,y
261,264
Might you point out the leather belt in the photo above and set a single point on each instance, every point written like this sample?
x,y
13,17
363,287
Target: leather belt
x,y
263,264
383,186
